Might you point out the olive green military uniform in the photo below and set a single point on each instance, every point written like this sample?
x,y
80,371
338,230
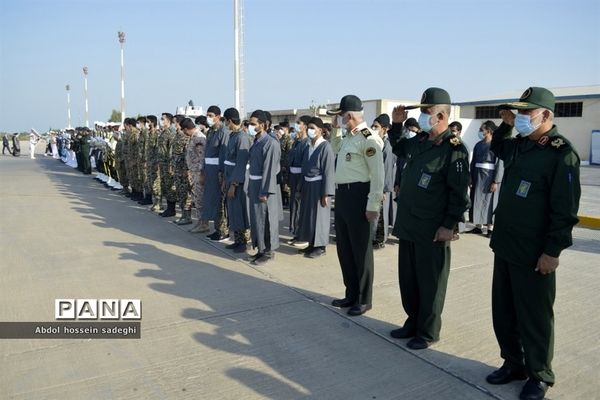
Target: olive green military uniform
x,y
286,144
359,188
536,212
121,153
142,161
433,194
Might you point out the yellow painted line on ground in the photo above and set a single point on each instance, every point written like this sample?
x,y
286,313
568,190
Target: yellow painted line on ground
x,y
588,221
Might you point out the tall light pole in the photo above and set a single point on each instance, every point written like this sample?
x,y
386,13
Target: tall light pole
x,y
237,56
68,87
122,40
87,110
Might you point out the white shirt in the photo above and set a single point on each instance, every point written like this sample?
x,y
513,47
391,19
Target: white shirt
x,y
311,148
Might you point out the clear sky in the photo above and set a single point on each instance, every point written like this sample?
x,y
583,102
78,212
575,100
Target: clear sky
x,y
296,52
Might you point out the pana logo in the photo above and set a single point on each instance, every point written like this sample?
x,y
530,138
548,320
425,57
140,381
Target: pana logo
x,y
98,309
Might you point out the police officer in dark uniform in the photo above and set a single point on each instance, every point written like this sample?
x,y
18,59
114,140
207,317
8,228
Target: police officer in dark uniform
x,y
431,202
536,212
358,196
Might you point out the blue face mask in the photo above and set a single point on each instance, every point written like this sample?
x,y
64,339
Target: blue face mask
x,y
523,124
480,134
424,122
296,127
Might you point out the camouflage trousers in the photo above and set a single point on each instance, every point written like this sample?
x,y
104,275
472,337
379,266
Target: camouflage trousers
x,y
143,174
153,185
183,190
241,236
221,224
167,182
133,175
197,191
122,174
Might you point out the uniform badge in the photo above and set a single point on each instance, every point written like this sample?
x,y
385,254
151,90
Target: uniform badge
x,y
455,141
424,181
348,157
523,189
370,152
557,142
543,140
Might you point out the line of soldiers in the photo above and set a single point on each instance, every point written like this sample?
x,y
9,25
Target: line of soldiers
x,y
235,175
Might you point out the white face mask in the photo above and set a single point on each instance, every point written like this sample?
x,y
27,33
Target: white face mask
x,y
252,130
210,121
312,133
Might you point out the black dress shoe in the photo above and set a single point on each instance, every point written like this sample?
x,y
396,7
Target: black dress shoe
x,y
316,253
255,256
240,248
533,390
262,260
359,309
343,303
475,230
402,333
505,374
306,250
418,343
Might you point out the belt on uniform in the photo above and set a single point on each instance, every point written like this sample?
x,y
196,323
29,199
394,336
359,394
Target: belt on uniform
x,y
231,164
313,178
295,170
351,185
211,161
485,165
255,177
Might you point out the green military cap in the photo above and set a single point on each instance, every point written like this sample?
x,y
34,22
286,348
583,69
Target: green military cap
x,y
348,103
432,97
533,97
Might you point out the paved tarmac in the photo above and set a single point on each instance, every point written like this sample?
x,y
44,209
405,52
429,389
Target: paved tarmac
x,y
215,327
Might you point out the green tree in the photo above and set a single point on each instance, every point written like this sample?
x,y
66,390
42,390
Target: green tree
x,y
115,116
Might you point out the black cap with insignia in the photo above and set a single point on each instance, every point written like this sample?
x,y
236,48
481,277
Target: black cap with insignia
x,y
348,103
432,97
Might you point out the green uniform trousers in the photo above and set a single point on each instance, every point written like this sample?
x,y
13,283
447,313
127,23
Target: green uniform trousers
x,y
423,276
522,311
354,241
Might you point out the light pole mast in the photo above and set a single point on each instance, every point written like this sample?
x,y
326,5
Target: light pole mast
x,y
122,41
68,87
237,57
87,110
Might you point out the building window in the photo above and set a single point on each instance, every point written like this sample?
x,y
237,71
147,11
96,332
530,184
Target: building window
x,y
486,112
563,110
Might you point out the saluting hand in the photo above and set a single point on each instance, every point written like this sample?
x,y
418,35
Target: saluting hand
x,y
399,115
508,117
546,264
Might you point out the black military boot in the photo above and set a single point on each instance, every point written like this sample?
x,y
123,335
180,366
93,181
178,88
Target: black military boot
x,y
146,200
170,211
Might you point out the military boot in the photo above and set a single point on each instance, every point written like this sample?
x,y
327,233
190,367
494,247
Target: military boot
x,y
147,200
200,227
186,218
170,211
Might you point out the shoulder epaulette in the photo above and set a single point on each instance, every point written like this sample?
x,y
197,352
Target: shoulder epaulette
x,y
455,141
559,143
366,132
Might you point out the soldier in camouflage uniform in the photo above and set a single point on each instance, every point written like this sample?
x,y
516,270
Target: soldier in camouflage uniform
x,y
286,142
180,172
164,144
194,158
153,185
122,154
142,164
133,159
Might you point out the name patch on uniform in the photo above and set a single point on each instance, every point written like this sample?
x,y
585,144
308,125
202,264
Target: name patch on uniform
x,y
523,189
371,152
424,181
348,157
